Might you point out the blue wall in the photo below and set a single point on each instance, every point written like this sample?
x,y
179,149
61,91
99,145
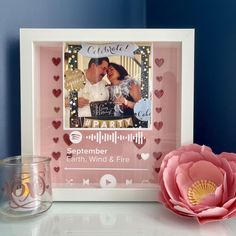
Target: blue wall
x,y
15,14
215,82
215,63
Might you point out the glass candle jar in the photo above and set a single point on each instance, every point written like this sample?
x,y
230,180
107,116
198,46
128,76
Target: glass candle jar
x,y
25,185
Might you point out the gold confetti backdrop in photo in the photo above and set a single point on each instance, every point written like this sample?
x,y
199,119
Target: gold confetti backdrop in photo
x,y
74,80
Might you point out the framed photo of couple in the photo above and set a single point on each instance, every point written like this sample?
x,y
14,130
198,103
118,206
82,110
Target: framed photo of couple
x,y
106,105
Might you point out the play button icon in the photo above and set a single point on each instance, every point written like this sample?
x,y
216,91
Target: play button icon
x,y
108,181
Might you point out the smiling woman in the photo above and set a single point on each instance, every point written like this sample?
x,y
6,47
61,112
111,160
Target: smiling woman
x,y
124,90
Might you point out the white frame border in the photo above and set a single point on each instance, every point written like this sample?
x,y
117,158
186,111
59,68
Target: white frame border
x,y
27,54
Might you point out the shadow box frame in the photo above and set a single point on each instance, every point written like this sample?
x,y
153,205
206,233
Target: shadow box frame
x,y
30,38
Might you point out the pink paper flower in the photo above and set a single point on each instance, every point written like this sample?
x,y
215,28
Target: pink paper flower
x,y
195,182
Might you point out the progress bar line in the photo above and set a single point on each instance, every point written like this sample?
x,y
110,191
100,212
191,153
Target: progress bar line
x,y
75,168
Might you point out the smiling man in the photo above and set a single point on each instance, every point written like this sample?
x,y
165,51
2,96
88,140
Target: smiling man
x,y
94,88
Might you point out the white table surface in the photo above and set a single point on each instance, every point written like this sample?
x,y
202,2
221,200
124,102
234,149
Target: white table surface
x,y
112,219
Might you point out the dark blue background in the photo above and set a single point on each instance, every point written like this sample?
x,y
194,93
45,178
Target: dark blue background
x,y
215,52
15,14
215,64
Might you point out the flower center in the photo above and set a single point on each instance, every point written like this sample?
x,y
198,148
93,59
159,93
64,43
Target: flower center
x,y
199,190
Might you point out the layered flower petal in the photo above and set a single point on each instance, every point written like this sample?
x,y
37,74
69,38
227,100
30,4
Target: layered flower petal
x,y
195,182
205,170
212,214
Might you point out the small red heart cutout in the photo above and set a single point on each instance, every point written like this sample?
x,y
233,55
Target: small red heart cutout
x,y
66,138
56,92
158,109
157,155
55,139
140,144
56,109
56,61
158,125
159,93
157,140
56,155
56,77
139,156
159,78
56,124
157,169
56,169
159,61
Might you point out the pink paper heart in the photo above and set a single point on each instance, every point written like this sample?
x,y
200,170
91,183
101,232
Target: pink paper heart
x,y
143,156
159,78
56,77
56,124
56,61
158,109
55,139
139,156
56,109
157,140
159,93
56,92
158,125
157,155
56,169
141,144
66,139
159,61
56,155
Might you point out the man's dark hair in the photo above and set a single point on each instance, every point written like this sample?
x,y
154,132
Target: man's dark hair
x,y
97,61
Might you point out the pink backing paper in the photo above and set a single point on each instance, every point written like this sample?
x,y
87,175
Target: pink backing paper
x,y
160,139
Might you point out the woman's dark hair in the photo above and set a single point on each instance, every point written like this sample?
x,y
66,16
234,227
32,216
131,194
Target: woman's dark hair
x,y
121,70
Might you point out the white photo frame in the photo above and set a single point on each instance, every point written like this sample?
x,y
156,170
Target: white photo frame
x,y
35,45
